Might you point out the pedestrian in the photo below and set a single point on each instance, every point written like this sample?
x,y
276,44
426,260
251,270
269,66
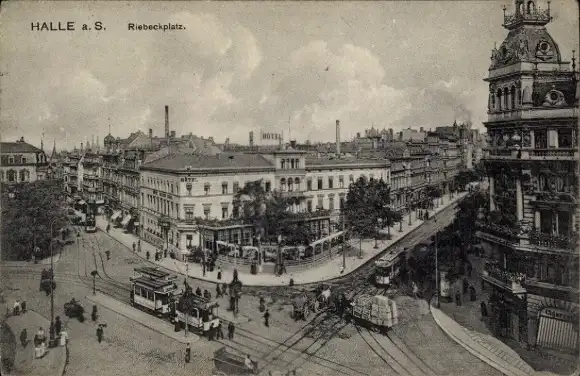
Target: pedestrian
x,y
139,245
134,246
108,228
63,338
341,269
219,273
457,298
187,354
24,337
219,331
148,255
57,326
465,285
203,267
108,253
267,318
23,306
224,289
483,309
231,330
198,291
100,333
218,291
211,332
469,268
206,294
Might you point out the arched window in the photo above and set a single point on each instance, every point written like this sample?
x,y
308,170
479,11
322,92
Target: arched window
x,y
12,176
283,184
282,163
513,97
290,185
292,163
531,7
297,163
498,99
506,98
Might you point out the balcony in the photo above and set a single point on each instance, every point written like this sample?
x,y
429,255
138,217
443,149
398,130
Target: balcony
x,y
297,194
569,242
501,231
533,16
551,154
495,274
531,113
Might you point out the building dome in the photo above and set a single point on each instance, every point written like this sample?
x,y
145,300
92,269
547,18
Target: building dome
x,y
526,44
109,139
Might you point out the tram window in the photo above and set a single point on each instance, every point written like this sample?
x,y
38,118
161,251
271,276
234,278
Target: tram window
x,y
137,291
149,295
205,316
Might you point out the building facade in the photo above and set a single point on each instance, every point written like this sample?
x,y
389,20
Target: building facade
x,y
177,189
531,230
22,162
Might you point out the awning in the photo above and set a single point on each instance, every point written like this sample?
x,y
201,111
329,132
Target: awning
x,y
329,237
115,215
126,220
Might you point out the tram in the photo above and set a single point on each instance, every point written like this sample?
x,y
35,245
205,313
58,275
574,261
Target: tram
x,y
153,290
388,267
201,314
91,224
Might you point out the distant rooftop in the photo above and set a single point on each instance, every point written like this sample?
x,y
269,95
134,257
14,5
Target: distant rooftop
x,y
224,161
19,146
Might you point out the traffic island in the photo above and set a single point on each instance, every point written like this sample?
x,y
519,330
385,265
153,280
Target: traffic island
x,y
156,324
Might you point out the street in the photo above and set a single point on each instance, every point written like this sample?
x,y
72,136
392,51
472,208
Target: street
x,y
324,345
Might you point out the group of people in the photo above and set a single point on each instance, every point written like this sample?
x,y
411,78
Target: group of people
x,y
19,307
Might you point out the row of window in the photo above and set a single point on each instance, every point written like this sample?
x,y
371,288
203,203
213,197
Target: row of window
x,y
290,163
14,176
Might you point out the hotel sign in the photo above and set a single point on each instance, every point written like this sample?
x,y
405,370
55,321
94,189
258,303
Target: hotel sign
x,y
271,136
558,314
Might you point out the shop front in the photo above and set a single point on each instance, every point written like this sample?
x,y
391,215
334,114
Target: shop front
x,y
557,329
508,314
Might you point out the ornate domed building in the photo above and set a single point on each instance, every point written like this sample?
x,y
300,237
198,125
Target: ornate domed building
x,y
531,229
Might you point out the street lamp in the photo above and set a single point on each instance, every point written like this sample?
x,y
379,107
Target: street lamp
x,y
52,340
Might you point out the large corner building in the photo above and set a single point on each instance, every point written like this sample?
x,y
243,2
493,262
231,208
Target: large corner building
x,y
531,230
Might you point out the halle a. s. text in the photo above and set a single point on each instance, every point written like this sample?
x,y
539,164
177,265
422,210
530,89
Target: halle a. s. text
x,y
64,26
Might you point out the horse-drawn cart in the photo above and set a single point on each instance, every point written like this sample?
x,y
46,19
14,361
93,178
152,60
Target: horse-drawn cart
x,y
378,312
311,301
228,362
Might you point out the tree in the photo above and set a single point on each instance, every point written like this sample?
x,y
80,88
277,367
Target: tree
x,y
268,213
27,217
360,209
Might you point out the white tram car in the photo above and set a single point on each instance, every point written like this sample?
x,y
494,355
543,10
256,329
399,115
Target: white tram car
x,y
388,267
201,316
153,290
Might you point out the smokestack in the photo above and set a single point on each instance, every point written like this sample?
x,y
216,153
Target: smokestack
x,y
81,146
167,124
338,137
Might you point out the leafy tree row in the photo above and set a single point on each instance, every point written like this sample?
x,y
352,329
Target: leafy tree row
x,y
26,218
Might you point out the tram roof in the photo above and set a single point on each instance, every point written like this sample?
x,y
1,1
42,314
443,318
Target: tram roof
x,y
390,256
153,272
198,300
151,283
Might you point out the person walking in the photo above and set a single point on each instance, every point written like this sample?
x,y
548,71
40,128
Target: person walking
x,y
267,318
23,306
231,330
203,267
139,245
341,269
211,332
198,291
187,354
57,326
219,273
24,338
219,331
134,246
100,333
218,291
224,289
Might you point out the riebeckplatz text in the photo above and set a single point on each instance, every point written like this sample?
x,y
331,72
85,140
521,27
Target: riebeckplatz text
x,y
159,26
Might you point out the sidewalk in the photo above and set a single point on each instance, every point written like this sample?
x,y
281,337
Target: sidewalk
x,y
318,273
154,323
491,354
455,320
52,364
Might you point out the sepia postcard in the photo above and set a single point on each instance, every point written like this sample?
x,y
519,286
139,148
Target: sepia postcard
x,y
278,188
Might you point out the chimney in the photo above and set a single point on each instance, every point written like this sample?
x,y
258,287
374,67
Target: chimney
x,y
21,139
167,124
150,133
81,146
338,137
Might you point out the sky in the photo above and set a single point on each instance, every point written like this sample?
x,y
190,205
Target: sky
x,y
294,67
